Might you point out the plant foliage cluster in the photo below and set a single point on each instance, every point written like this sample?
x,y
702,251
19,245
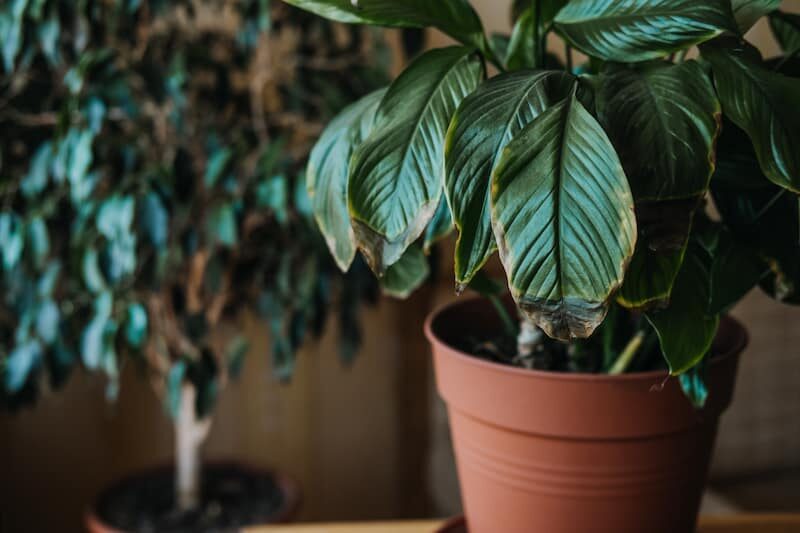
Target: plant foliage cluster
x,y
592,181
151,185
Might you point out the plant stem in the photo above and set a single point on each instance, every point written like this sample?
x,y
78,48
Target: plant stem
x,y
626,357
190,432
509,325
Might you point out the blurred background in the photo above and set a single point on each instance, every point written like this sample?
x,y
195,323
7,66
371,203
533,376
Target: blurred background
x,y
369,439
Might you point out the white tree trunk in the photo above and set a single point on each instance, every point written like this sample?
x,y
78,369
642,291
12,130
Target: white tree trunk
x,y
189,436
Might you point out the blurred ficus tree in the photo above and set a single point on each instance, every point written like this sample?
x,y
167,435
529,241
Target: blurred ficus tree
x,y
151,185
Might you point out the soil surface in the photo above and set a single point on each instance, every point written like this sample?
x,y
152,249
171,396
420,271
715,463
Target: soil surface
x,y
233,497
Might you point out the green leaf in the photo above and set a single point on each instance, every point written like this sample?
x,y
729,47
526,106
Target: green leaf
x,y
36,179
273,194
136,325
747,12
115,216
482,126
693,384
221,227
454,17
38,240
664,120
11,239
90,268
153,219
440,226
764,104
638,30
562,214
521,52
47,321
328,170
20,363
407,274
650,276
175,378
684,330
735,269
396,174
97,340
786,28
216,165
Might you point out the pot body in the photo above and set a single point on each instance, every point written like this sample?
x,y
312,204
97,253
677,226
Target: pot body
x,y
288,487
562,453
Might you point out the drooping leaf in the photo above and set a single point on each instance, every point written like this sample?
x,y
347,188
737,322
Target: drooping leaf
x,y
735,269
685,331
97,340
764,104
747,12
454,17
440,225
482,126
328,170
786,28
12,239
637,30
664,120
407,274
396,177
562,214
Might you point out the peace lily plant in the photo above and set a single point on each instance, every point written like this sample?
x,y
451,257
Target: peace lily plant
x,y
653,184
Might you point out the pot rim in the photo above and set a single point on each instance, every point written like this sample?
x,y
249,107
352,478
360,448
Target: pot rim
x,y
288,485
740,341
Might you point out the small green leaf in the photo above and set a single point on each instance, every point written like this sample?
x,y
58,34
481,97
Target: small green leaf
x,y
407,274
92,275
136,325
97,340
175,378
328,170
272,193
638,30
562,214
396,174
747,12
36,180
650,276
11,239
764,104
47,321
153,219
221,226
38,240
684,330
693,384
482,126
216,165
20,363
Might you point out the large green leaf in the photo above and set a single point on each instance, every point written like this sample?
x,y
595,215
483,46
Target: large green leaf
x,y
440,226
786,28
735,269
664,120
684,330
562,214
637,30
407,274
747,12
650,277
454,17
764,104
327,173
396,174
483,124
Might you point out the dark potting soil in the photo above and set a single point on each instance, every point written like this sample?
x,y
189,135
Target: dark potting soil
x,y
233,497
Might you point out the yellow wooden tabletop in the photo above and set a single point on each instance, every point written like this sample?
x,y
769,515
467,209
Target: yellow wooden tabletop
x,y
749,523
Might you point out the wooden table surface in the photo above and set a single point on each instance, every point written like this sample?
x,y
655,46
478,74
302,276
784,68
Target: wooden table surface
x,y
749,523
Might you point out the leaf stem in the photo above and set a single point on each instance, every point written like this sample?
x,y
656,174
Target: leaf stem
x,y
510,326
626,357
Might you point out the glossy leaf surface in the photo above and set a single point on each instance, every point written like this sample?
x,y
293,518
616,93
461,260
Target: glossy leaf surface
x,y
764,104
562,214
786,28
396,174
328,170
637,30
747,12
484,123
407,274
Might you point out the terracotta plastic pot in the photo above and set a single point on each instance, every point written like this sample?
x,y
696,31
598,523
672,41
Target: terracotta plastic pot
x,y
564,453
288,487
